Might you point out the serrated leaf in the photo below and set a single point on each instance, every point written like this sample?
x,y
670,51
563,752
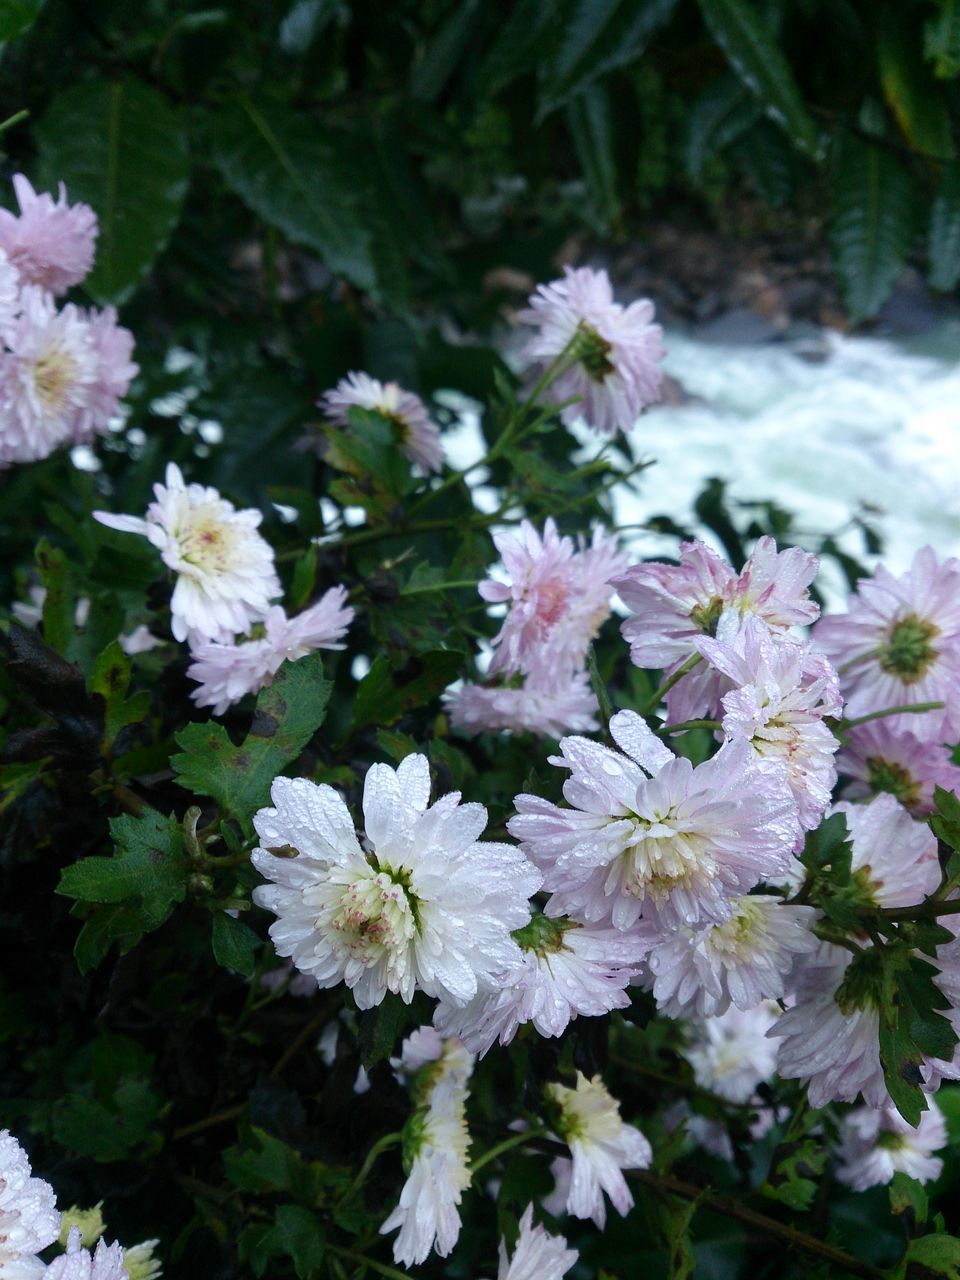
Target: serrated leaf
x,y
301,1236
902,1066
287,715
743,35
234,944
119,147
17,16
292,174
590,118
934,1255
908,1200
943,241
941,39
16,780
387,693
872,224
60,599
722,113
915,99
794,1170
111,679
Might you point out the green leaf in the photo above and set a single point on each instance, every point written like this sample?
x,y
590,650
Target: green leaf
x,y
902,1064
941,39
234,944
292,173
148,864
17,16
287,715
118,146
937,1255
104,1133
444,53
872,225
111,679
741,32
917,102
794,1169
379,1029
908,1200
386,694
597,36
301,1236
943,241
60,600
722,113
16,779
519,46
590,117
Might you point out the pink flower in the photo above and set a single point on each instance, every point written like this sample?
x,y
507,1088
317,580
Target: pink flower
x,y
417,434
227,672
548,703
618,350
51,242
650,833
676,605
559,595
783,691
731,1053
899,643
113,347
876,1144
879,758
894,857
106,1263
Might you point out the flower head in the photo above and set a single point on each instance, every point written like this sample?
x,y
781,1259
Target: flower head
x,y
700,973
731,1053
876,1143
588,1120
549,702
51,243
899,644
877,758
567,970
225,673
537,1256
106,1263
650,833
894,859
616,351
29,1220
427,906
417,434
225,573
114,371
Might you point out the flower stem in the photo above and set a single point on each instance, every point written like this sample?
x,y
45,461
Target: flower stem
x,y
517,1140
670,681
908,707
361,1258
14,119
928,910
383,1144
683,726
439,586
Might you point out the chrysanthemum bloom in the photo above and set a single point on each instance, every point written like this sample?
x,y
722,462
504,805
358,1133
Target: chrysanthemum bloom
x,y
700,973
428,906
418,436
783,692
567,970
731,1054
649,832
227,672
29,1220
10,288
558,595
877,758
549,702
141,1262
537,1256
676,604
900,644
46,377
225,573
894,860
77,1263
616,351
51,243
830,1037
876,1144
588,1120
436,1143
114,371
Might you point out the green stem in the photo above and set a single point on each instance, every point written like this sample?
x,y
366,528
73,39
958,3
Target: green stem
x,y
383,1144
361,1258
928,910
516,1140
14,119
668,684
907,708
683,726
599,688
439,586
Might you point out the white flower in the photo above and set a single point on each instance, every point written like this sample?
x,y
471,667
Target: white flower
x,y
29,1220
677,845
46,377
225,673
617,349
567,970
588,1120
107,1263
700,973
225,572
537,1256
830,1037
436,1144
731,1054
783,693
428,906
141,1262
877,1143
417,434
549,702
894,857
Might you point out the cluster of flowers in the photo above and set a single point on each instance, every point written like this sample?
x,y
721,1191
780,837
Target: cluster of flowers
x,y
63,370
30,1223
